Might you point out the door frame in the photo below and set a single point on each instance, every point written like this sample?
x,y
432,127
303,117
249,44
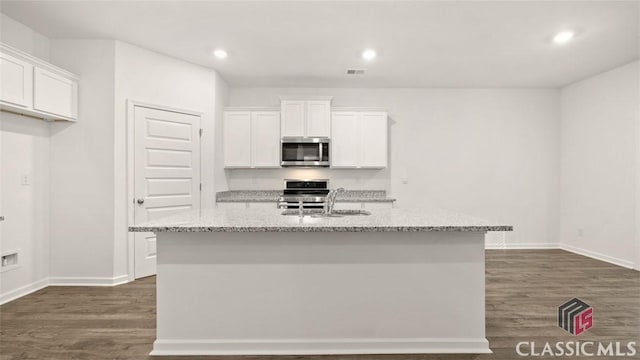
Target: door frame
x,y
131,105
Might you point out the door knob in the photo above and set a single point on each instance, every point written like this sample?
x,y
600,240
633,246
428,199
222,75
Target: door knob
x,y
140,201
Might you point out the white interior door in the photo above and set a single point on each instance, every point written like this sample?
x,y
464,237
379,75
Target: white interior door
x,y
166,174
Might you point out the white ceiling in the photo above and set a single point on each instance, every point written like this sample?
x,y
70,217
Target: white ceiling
x,y
312,43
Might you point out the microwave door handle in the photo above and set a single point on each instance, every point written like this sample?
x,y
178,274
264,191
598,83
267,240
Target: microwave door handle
x,y
320,151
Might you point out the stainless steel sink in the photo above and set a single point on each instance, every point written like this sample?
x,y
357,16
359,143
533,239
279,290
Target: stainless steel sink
x,y
320,213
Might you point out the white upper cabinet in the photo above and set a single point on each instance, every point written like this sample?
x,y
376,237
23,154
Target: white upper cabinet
x,y
237,139
54,94
293,116
318,118
359,139
344,149
306,117
251,139
373,140
36,88
16,81
265,139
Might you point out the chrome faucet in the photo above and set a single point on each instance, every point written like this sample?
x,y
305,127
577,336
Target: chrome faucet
x,y
330,200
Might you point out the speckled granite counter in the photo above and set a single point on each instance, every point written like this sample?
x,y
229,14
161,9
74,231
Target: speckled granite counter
x,y
265,220
273,195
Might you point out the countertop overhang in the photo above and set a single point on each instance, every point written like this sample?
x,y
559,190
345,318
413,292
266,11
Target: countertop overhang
x,y
266,220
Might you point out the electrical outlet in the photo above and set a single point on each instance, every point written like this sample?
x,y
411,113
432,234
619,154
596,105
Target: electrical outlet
x,y
25,179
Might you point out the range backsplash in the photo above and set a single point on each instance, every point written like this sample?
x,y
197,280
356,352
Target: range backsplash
x,y
270,179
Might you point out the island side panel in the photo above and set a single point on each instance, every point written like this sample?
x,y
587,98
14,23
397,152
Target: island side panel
x,y
320,293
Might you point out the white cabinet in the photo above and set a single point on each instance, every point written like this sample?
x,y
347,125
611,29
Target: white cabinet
x,y
237,138
344,140
307,118
36,88
318,118
265,139
54,94
251,139
292,117
359,139
16,81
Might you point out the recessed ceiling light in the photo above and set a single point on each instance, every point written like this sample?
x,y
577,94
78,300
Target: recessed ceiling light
x,y
369,54
220,54
563,37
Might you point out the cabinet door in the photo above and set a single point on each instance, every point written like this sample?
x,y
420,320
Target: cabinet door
x,y
16,81
237,139
292,118
265,139
344,139
54,94
318,118
373,139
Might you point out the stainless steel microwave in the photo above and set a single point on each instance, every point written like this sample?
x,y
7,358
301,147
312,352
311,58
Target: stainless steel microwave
x,y
305,152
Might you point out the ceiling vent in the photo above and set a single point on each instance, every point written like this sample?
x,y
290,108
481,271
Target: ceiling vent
x,y
355,71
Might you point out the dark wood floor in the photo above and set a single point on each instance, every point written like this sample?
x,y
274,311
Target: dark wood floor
x,y
524,289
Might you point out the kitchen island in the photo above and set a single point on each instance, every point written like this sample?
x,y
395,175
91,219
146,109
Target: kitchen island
x,y
243,282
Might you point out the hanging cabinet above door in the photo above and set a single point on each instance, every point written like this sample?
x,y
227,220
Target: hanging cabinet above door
x,y
36,88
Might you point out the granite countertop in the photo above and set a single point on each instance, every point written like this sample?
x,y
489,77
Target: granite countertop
x,y
265,220
273,195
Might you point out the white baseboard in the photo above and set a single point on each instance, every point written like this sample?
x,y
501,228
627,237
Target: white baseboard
x,y
320,347
598,256
521,246
61,281
23,290
576,250
88,281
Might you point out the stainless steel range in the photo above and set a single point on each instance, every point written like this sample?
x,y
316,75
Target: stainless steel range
x,y
311,193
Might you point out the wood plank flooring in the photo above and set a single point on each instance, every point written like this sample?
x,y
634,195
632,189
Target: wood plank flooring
x,y
524,289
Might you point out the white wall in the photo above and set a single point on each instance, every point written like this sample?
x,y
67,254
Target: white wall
x,y
599,138
23,38
146,76
24,150
82,163
490,153
221,100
